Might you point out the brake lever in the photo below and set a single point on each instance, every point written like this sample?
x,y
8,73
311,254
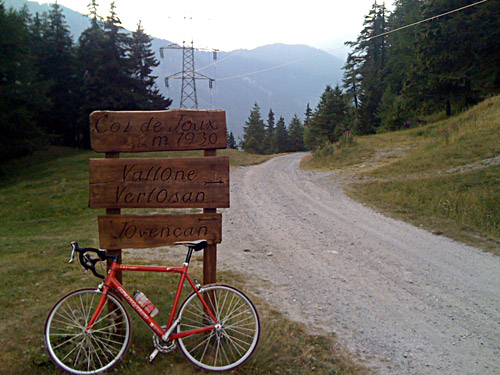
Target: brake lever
x,y
72,258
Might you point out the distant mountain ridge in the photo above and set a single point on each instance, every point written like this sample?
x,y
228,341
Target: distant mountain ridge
x,y
285,87
77,21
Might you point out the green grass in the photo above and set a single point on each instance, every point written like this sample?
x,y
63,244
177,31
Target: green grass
x,y
443,176
44,206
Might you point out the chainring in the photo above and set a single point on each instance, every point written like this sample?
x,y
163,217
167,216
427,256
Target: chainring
x,y
162,346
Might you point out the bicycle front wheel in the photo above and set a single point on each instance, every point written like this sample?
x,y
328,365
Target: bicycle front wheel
x,y
222,348
80,352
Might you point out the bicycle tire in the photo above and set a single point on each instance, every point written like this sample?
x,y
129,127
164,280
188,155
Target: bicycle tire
x,y
97,351
225,348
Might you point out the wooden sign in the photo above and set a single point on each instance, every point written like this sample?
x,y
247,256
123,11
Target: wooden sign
x,y
141,131
137,231
160,183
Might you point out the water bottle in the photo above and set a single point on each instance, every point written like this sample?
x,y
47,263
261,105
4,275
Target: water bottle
x,y
146,304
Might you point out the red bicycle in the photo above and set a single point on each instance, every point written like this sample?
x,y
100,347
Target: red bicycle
x,y
88,331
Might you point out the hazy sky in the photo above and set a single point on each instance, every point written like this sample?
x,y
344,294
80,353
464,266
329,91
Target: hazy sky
x,y
228,25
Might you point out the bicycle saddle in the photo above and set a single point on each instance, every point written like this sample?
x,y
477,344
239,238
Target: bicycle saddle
x,y
195,245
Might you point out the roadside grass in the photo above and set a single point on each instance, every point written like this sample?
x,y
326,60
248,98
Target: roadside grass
x,y
44,206
364,151
443,176
237,158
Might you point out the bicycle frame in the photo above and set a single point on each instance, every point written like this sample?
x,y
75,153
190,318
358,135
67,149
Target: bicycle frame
x,y
112,283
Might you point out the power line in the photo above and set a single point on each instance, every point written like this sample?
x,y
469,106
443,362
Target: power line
x,y
364,40
422,21
221,60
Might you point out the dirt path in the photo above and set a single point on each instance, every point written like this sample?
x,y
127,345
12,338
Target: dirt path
x,y
407,301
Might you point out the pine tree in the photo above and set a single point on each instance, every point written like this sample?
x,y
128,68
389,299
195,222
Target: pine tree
x,y
116,74
231,142
142,61
296,135
269,139
367,64
282,139
21,94
307,115
90,56
329,120
352,77
254,132
57,66
394,112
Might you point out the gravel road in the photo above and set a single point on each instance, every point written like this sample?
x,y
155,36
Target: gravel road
x,y
405,300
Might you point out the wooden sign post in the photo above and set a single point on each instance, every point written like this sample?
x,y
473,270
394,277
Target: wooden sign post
x,y
201,182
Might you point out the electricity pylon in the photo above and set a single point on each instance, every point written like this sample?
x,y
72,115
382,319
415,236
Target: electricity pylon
x,y
188,75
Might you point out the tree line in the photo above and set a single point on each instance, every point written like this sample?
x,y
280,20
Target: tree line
x,y
49,84
272,136
396,79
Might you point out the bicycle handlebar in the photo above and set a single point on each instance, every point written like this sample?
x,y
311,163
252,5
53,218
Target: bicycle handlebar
x,y
86,261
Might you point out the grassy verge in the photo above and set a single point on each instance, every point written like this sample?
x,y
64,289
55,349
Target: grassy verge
x,y
237,158
444,176
43,207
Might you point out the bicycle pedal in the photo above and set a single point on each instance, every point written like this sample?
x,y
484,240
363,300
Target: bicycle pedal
x,y
153,355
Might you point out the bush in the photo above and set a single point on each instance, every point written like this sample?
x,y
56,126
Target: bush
x,y
324,151
347,140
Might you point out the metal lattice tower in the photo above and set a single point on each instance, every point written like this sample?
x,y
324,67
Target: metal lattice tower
x,y
188,92
188,75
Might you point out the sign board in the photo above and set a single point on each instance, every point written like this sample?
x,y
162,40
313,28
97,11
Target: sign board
x,y
143,231
160,183
173,130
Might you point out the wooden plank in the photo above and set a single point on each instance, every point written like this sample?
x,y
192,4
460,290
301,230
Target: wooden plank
x,y
115,252
159,183
210,257
143,231
142,131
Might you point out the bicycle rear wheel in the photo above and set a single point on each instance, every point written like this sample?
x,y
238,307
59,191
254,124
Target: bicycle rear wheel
x,y
80,352
223,348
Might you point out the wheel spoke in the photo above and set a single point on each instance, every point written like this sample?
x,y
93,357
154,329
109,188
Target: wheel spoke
x,y
236,340
207,340
105,346
65,342
69,317
217,345
77,355
79,344
234,311
95,352
236,345
101,318
67,325
223,351
238,331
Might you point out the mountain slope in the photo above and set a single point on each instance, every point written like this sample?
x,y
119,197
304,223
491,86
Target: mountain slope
x,y
285,88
